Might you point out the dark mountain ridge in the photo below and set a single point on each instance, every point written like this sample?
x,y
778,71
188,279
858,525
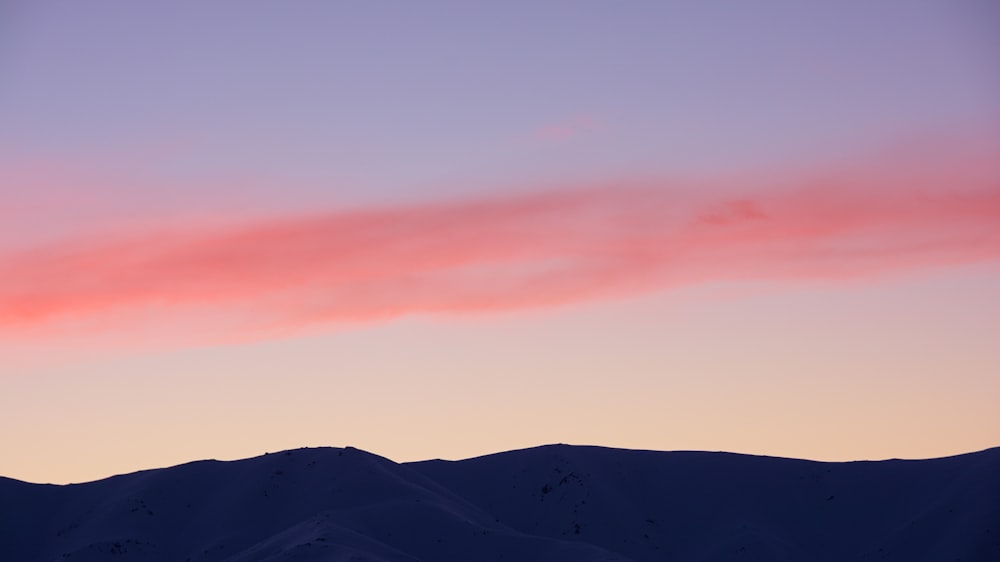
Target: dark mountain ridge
x,y
549,503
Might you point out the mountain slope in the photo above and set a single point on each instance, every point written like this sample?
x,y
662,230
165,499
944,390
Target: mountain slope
x,y
716,506
549,503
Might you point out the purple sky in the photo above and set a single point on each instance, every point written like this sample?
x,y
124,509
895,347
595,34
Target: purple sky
x,y
160,164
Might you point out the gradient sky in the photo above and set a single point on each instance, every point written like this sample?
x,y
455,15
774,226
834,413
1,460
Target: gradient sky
x,y
443,229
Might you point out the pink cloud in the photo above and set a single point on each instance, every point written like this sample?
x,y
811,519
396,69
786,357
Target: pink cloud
x,y
291,272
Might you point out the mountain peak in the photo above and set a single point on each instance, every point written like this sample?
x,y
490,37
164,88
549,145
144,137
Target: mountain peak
x,y
548,503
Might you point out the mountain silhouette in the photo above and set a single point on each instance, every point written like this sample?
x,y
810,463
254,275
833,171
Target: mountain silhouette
x,y
551,503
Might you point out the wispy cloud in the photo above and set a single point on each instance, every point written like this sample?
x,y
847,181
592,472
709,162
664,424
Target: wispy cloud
x,y
290,272
565,130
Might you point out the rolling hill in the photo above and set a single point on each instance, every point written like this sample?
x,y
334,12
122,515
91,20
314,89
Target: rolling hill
x,y
550,503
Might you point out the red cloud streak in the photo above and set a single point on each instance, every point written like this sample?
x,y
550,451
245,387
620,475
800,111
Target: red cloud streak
x,y
502,253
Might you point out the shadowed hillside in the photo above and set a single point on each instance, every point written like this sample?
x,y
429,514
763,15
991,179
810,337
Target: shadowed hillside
x,y
553,503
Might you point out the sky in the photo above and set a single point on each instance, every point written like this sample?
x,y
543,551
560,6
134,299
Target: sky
x,y
445,229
